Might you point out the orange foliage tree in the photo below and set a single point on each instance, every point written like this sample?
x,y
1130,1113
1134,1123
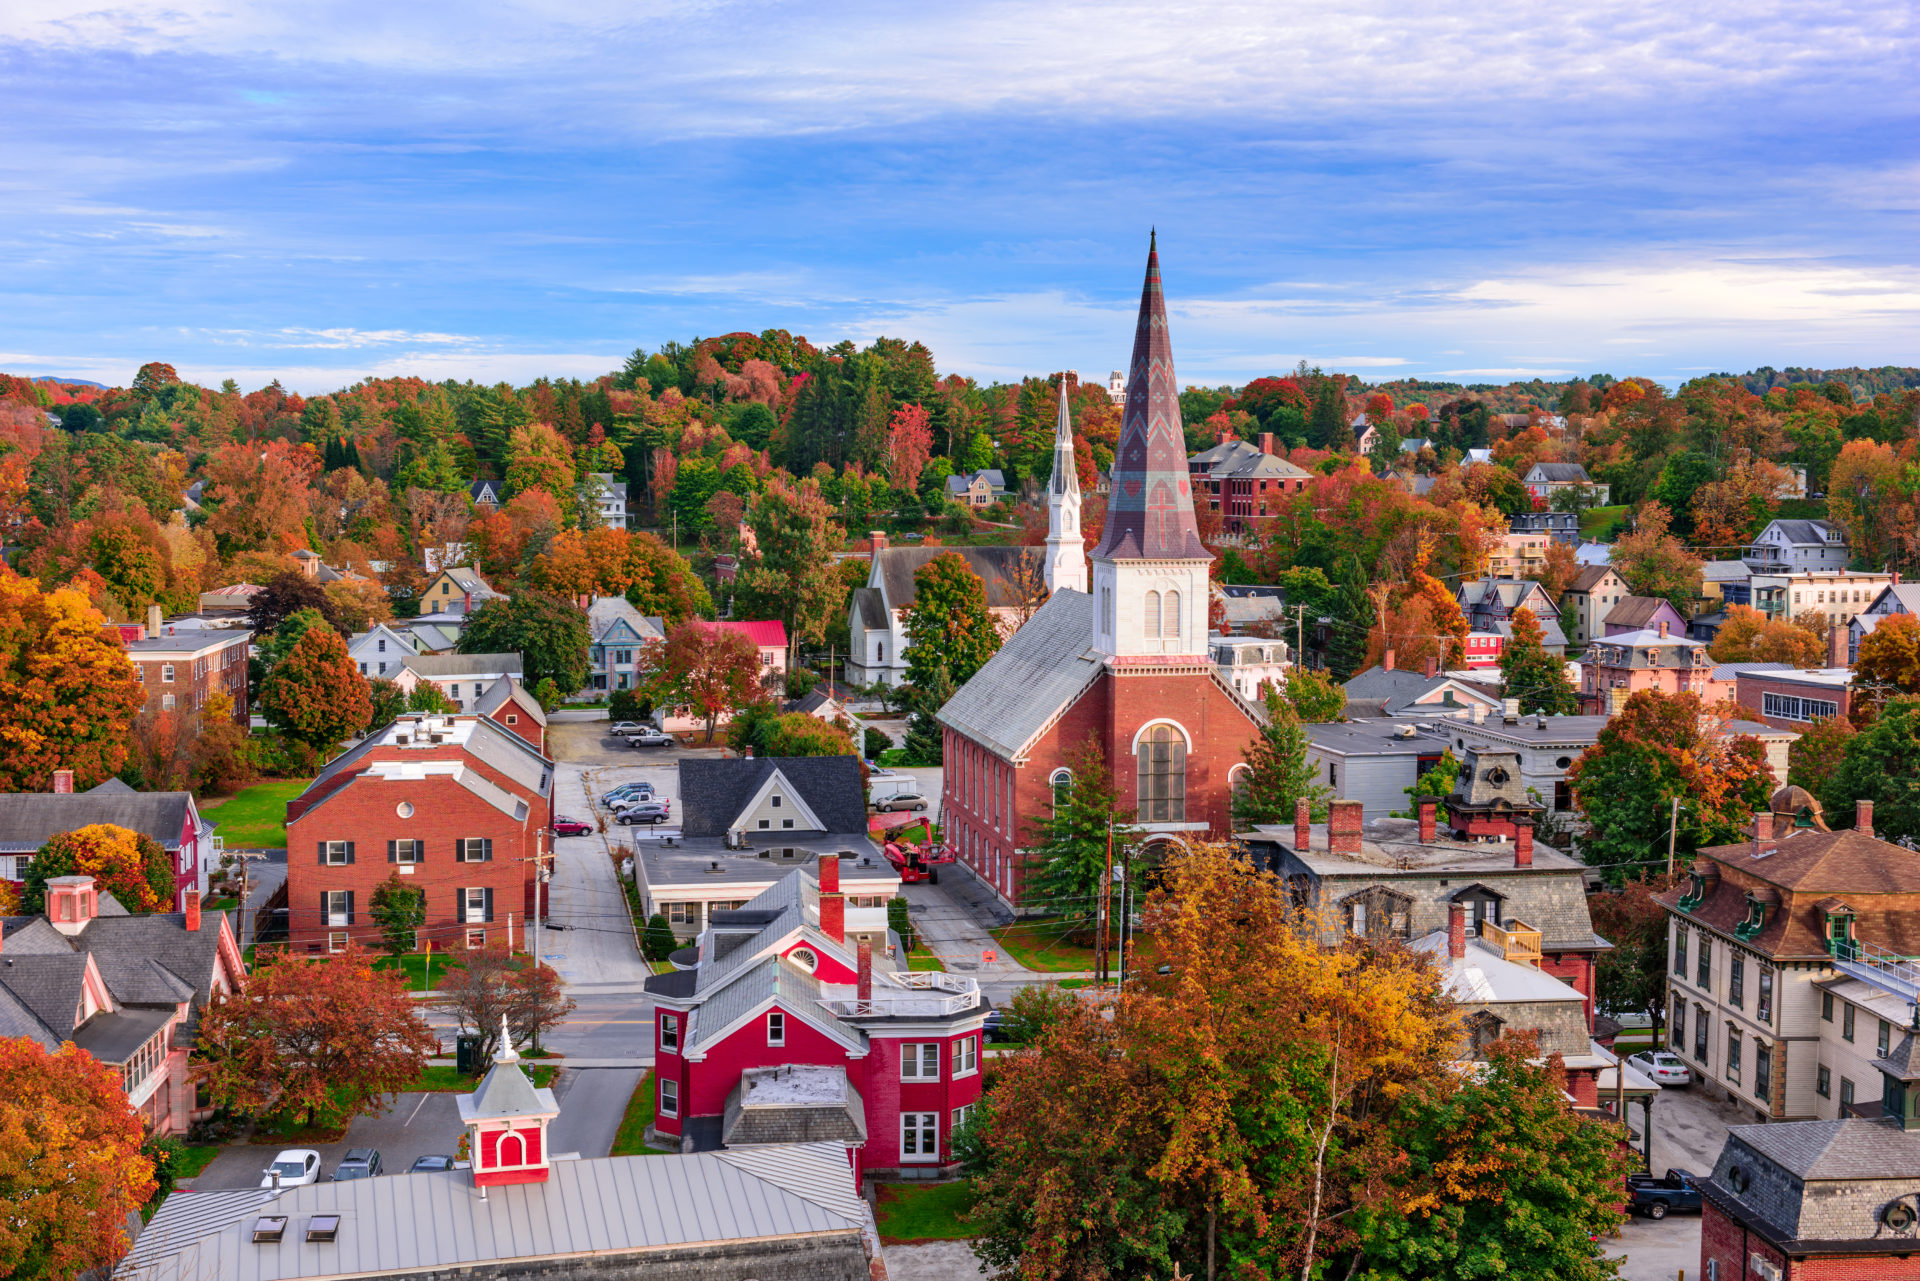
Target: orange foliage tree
x,y
1749,636
67,690
131,866
71,1171
315,693
1889,659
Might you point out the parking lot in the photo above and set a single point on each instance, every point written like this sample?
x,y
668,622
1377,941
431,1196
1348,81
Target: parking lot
x,y
416,1125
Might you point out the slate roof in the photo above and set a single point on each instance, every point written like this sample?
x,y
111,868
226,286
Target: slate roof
x,y
48,985
1559,473
748,987
190,641
1846,1149
1804,532
1041,671
608,612
17,1020
29,819
437,666
994,565
1243,459
713,792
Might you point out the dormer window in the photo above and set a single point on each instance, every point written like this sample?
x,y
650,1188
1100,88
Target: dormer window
x,y
1756,918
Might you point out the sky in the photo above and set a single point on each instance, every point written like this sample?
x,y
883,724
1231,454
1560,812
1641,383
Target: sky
x,y
1468,191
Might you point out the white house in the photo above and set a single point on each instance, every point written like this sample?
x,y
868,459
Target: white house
x,y
615,658
1895,598
463,678
1250,662
877,613
1798,547
608,496
379,651
1544,480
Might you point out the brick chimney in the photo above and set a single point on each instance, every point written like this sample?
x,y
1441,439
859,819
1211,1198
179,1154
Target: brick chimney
x,y
1343,827
1457,930
1863,817
1429,808
1302,824
63,782
1837,640
1386,661
1762,833
879,537
1522,843
193,910
1663,629
864,991
1433,668
833,905
1266,442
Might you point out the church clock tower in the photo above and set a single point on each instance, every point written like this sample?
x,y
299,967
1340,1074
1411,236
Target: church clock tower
x,y
1066,550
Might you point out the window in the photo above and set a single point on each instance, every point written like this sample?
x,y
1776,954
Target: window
x,y
765,823
336,853
960,1115
1733,1052
1846,1093
1737,982
363,669
166,702
1162,758
1706,960
475,849
966,1056
140,673
166,673
1762,1070
1172,615
476,904
683,913
669,1098
1764,1010
1677,1025
919,1136
382,644
338,906
410,852
802,957
776,1028
1786,707
1826,1006
1823,1082
337,942
1152,614
1061,781
669,1033
1700,1033
476,940
1846,1024
1886,1036
920,1061
1680,951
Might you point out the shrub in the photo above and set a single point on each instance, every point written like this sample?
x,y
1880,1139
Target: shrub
x,y
626,705
876,743
1034,1009
659,942
897,922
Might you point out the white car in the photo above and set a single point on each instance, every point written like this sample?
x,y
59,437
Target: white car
x,y
1663,1067
295,1166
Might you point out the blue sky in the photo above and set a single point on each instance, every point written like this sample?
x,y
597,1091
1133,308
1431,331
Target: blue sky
x,y
1461,190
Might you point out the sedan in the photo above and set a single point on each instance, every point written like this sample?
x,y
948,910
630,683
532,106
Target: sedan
x,y
901,801
627,791
648,812
1663,1067
429,1164
622,728
651,738
295,1166
358,1163
564,826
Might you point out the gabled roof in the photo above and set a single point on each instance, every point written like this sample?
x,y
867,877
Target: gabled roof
x,y
485,490
608,615
1559,473
1590,577
508,690
48,985
440,666
768,633
1041,671
1846,1149
468,580
872,607
29,819
1803,533
894,568
1908,594
714,792
1640,611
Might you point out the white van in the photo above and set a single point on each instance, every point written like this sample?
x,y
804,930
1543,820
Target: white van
x,y
883,785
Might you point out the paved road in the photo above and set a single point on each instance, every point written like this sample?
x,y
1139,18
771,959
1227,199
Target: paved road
x,y
1658,1251
592,1103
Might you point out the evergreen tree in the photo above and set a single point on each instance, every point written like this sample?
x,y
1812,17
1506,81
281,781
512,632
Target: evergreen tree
x,y
924,743
1068,850
1278,771
1538,679
1352,620
1327,425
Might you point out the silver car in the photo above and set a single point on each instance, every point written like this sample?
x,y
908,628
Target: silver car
x,y
1667,1069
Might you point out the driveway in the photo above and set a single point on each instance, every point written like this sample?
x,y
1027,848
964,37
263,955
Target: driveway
x,y
1689,1129
592,1102
416,1125
1658,1251
591,943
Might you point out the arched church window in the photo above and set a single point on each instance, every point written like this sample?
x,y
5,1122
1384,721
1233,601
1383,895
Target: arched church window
x,y
1172,627
1061,781
1153,614
1162,763
879,653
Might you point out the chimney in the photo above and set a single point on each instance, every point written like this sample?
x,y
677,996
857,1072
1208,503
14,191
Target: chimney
x,y
1343,827
193,911
879,537
1302,824
1386,661
864,991
1479,713
1523,843
63,782
1266,442
833,907
1663,629
1457,930
1762,833
153,620
1433,668
1863,817
1429,807
1837,639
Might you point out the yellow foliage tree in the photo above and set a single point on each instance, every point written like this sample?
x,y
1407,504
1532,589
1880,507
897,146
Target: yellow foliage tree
x,y
67,691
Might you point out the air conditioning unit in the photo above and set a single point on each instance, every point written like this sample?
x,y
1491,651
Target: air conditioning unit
x,y
1765,1269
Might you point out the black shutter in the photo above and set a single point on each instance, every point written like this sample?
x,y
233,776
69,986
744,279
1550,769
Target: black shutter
x,y
349,853
349,901
486,853
393,855
489,915
325,920
323,853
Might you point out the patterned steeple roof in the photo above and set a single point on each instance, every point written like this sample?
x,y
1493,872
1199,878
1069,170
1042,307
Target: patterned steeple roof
x,y
1150,511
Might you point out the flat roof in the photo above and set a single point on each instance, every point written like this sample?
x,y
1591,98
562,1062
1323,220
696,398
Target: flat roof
x,y
1394,845
1827,677
703,861
190,641
1370,737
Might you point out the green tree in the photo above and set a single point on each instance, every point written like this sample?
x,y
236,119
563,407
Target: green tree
x,y
1327,425
389,702
659,940
791,575
549,633
315,694
1315,697
1070,850
1882,765
1438,781
1278,772
900,923
1531,674
948,624
1632,977
1815,757
399,908
1353,618
924,743
1307,588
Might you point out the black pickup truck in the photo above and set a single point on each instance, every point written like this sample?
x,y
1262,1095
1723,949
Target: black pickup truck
x,y
1658,1197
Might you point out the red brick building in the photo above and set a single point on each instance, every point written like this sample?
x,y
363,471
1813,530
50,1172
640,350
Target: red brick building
x,y
458,805
183,668
508,703
1794,698
1125,667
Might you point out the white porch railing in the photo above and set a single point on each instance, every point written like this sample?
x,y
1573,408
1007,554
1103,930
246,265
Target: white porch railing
x,y
912,993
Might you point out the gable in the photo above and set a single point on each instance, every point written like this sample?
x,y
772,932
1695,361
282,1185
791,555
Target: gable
x,y
777,806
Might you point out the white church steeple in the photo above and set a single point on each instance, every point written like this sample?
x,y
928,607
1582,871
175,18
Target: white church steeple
x,y
1066,564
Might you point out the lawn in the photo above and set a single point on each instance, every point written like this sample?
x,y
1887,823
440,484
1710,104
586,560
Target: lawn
x,y
1595,521
632,1138
1043,946
415,965
191,1160
254,817
925,1212
447,1080
921,959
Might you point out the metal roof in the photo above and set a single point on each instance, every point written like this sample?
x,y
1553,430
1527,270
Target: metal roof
x,y
1040,672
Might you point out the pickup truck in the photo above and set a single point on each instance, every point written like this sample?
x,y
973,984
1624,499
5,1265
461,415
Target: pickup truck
x,y
1658,1197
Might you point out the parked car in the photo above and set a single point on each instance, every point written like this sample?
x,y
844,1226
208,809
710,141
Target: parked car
x,y
295,1166
1667,1069
884,785
628,802
648,812
613,794
358,1163
428,1164
901,801
651,738
564,826
1674,1193
620,729
994,1026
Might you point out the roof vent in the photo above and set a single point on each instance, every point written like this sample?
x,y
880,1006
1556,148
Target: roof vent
x,y
323,1227
713,868
402,740
268,1229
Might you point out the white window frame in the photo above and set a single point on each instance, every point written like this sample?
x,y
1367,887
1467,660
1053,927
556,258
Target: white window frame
x,y
337,941
776,1027
915,1127
468,895
336,853
166,702
669,1104
960,1115
476,940
409,852
338,920
669,1033
166,673
916,1057
966,1056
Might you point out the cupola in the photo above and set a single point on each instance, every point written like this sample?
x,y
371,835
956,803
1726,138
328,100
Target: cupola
x,y
506,1120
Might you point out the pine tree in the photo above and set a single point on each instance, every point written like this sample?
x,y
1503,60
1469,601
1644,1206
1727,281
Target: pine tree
x,y
1329,418
1067,854
1535,677
1278,771
924,743
1352,620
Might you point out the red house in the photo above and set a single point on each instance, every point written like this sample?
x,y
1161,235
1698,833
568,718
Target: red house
x,y
782,1033
29,819
1126,667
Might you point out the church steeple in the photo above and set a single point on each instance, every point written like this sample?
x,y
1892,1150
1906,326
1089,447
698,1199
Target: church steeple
x,y
1150,570
1066,564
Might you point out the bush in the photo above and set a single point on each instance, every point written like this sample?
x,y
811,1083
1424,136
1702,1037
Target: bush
x,y
277,756
1034,1009
659,942
876,743
164,1152
626,705
897,922
801,682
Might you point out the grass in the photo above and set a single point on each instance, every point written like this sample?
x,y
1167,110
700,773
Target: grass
x,y
255,817
447,1080
911,1212
632,1137
415,965
1595,521
1043,946
921,959
191,1160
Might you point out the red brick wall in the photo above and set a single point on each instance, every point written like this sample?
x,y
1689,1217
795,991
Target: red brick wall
x,y
1722,1238
364,812
226,669
1577,966
1750,687
514,718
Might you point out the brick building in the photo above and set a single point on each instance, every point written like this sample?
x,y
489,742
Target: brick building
x,y
458,805
1238,477
508,703
1794,697
182,668
29,819
1125,667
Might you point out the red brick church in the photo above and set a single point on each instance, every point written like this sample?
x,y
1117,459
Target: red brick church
x,y
1125,665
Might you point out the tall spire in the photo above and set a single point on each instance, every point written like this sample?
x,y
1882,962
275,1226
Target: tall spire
x,y
1066,473
1066,563
1150,511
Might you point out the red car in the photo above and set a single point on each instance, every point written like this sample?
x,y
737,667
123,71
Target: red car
x,y
570,827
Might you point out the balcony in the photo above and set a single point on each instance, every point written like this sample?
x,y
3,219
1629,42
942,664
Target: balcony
x,y
911,994
1889,971
1518,942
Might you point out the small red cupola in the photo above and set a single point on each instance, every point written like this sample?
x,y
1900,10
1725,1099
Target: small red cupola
x,y
506,1120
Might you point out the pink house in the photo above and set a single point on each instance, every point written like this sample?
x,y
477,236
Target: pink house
x,y
1615,667
782,1032
1643,614
769,636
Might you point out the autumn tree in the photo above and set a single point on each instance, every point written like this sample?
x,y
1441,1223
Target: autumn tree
x,y
131,866
715,670
550,634
1652,561
1815,757
357,604
312,1038
1882,765
909,446
538,457
257,495
661,583
1749,636
1888,663
1069,849
1279,771
1314,696
790,573
1659,748
1632,977
71,1170
219,761
1532,675
315,693
493,984
948,622
67,691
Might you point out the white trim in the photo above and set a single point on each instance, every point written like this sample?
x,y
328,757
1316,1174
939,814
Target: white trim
x,y
787,787
1157,721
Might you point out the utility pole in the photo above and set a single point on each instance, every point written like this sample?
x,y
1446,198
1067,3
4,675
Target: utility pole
x,y
1673,827
1105,909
